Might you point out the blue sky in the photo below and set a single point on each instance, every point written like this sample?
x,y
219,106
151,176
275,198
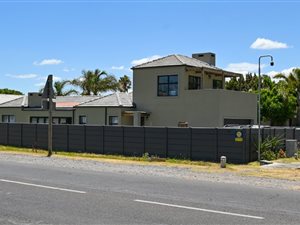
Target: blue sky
x,y
64,37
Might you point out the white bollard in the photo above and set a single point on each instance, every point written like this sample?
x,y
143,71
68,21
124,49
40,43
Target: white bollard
x,y
223,162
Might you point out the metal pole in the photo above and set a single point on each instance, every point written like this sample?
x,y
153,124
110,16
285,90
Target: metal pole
x,y
50,117
259,100
259,90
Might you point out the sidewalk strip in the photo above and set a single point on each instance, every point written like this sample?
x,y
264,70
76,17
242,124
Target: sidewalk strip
x,y
199,209
43,186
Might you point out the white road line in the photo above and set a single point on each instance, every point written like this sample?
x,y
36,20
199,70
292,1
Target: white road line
x,y
42,186
199,209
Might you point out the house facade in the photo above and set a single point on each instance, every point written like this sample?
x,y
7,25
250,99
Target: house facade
x,y
169,91
177,89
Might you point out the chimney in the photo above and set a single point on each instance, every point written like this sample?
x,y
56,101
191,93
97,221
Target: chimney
x,y
207,57
34,99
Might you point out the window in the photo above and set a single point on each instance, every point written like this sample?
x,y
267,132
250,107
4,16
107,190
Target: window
x,y
113,120
82,120
167,85
217,84
8,118
55,120
194,83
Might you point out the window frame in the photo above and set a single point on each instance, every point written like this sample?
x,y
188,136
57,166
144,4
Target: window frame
x,y
9,118
198,84
81,121
168,83
215,82
110,122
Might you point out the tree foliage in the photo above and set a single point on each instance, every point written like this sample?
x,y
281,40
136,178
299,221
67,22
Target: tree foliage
x,y
59,88
95,82
124,84
10,92
278,99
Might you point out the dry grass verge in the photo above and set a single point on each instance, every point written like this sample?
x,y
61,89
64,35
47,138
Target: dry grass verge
x,y
250,169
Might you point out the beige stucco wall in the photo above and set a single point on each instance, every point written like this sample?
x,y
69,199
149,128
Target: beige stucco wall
x,y
96,115
204,107
23,116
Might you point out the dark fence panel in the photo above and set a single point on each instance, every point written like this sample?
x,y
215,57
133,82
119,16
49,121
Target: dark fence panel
x,y
76,138
15,134
207,144
134,141
156,141
179,143
60,137
28,135
94,139
230,147
204,144
113,140
42,136
3,133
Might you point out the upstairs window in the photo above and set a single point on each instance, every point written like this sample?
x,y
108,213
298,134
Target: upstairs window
x,y
167,85
8,118
194,83
217,84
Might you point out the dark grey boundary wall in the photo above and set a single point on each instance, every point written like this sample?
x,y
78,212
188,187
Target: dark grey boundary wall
x,y
207,144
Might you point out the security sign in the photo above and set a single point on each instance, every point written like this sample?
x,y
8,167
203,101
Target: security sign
x,y
238,136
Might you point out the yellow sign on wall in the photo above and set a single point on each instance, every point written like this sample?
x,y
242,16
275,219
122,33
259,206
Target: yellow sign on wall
x,y
239,136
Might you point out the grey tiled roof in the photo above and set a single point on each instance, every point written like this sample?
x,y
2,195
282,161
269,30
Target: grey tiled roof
x,y
176,60
115,99
61,101
10,100
120,99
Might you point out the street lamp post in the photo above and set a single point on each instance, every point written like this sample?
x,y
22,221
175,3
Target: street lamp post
x,y
259,97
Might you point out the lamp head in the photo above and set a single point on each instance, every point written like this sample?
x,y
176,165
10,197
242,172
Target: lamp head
x,y
272,63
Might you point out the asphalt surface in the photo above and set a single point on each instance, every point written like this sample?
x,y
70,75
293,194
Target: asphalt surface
x,y
39,194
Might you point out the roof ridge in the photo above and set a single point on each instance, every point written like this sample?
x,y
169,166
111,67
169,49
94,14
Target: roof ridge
x,y
176,55
118,98
12,100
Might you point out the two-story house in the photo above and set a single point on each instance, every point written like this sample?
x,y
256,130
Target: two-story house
x,y
178,88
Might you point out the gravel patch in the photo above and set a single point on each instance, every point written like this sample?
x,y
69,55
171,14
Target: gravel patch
x,y
150,170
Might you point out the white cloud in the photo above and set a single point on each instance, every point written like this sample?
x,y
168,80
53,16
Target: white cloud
x,y
286,72
67,70
48,62
144,60
243,67
262,43
23,76
44,79
117,67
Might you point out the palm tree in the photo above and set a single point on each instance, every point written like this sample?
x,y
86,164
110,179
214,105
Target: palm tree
x,y
124,84
292,82
95,82
59,88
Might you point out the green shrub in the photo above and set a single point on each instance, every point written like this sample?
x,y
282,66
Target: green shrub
x,y
270,147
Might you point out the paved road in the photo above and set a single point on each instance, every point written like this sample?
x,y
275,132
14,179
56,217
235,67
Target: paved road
x,y
39,194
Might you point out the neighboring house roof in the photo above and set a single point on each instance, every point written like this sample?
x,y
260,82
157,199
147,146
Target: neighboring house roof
x,y
7,98
114,100
61,101
118,99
